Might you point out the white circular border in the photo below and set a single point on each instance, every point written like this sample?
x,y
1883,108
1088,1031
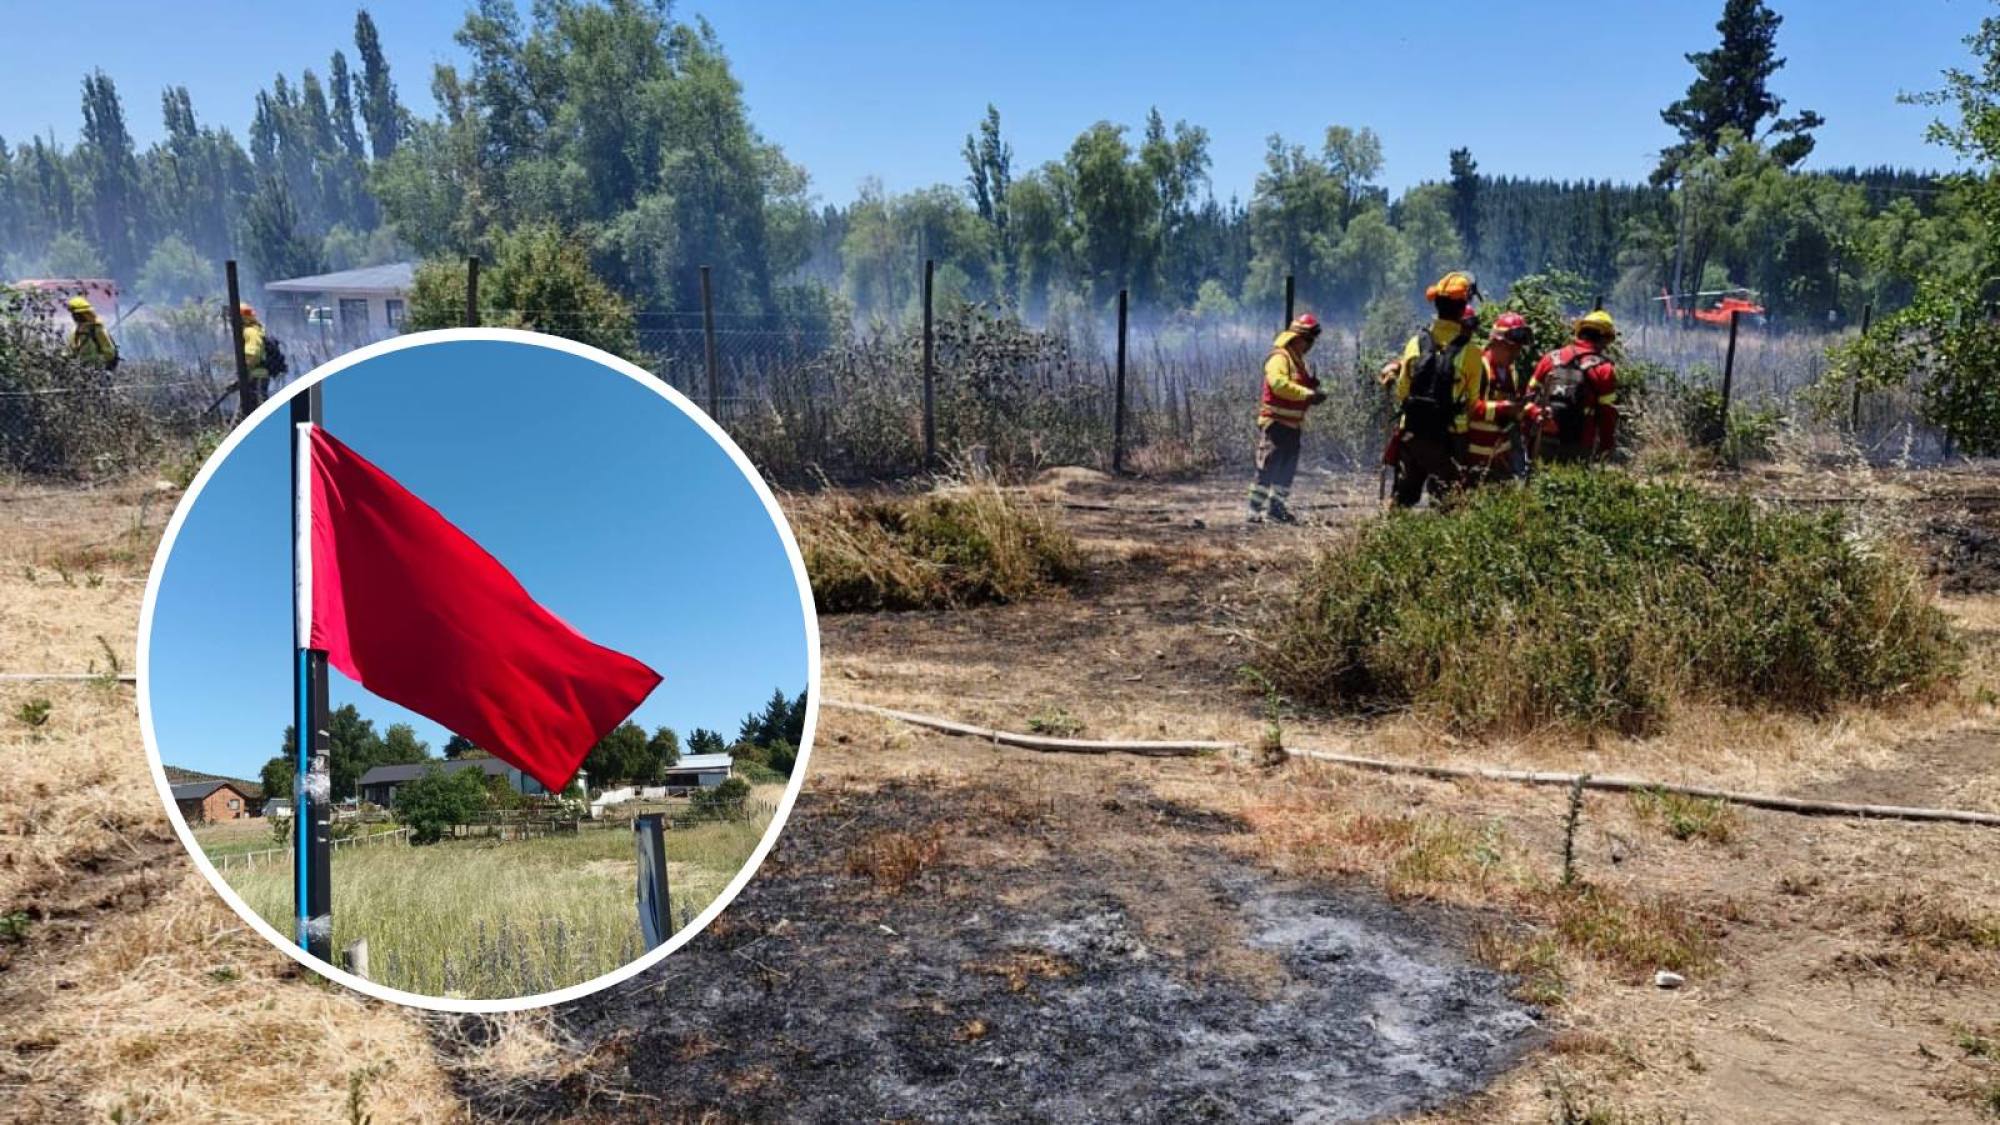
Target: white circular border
x,y
806,606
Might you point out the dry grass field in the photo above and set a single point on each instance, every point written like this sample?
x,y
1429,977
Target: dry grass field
x,y
938,905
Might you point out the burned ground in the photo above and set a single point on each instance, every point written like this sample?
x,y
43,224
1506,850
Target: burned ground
x,y
1060,957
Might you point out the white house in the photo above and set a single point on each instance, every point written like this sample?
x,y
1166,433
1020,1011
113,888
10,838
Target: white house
x,y
349,308
700,771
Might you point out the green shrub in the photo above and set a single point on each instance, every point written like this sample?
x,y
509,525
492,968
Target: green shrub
x,y
1591,599
957,546
724,801
431,804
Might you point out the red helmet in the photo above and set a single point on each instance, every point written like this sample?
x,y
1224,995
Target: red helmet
x,y
1513,328
1305,323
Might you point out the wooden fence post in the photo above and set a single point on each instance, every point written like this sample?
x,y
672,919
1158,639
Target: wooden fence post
x,y
1854,412
930,365
356,957
245,396
472,292
1118,406
1729,369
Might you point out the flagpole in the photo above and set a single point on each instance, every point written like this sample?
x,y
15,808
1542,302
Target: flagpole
x,y
312,860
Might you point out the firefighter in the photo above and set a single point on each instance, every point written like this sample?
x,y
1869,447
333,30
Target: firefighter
x,y
1495,445
1437,381
253,350
1289,391
1576,388
90,341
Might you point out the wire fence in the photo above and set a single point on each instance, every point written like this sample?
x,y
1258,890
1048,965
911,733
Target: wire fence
x,y
808,399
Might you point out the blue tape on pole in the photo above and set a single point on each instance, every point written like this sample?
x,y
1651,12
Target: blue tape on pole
x,y
302,751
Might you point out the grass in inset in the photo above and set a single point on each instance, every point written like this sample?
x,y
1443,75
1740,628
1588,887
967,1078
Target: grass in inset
x,y
486,920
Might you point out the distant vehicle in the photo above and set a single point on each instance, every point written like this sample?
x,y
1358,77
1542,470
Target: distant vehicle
x,y
1738,301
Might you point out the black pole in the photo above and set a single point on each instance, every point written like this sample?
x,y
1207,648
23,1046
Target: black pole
x,y
930,365
708,346
1854,412
1729,367
1118,406
472,292
1600,303
1291,290
245,395
312,830
656,909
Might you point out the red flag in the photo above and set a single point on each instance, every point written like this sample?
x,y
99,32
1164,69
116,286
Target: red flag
x,y
421,615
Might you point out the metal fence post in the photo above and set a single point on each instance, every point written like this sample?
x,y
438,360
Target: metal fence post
x,y
472,292
708,346
930,364
245,397
656,913
1291,291
1854,412
1118,406
1729,368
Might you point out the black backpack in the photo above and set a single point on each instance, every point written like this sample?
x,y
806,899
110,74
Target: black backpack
x,y
1432,404
1564,386
274,357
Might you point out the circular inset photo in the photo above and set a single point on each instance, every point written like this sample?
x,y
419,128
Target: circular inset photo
x,y
550,643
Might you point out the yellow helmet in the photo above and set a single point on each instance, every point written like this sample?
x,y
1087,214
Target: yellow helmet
x,y
1597,323
80,305
1458,285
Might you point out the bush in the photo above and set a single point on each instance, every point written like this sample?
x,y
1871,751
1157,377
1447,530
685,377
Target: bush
x,y
58,416
724,801
431,804
1591,599
960,545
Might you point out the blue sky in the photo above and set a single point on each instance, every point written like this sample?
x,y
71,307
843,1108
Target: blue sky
x,y
614,510
1539,87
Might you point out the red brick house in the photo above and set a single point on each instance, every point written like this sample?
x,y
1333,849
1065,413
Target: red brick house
x,y
201,802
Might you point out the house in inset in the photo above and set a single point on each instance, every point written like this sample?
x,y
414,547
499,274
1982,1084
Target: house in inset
x,y
378,786
202,802
699,771
343,310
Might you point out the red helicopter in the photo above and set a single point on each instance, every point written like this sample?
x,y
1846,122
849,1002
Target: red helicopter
x,y
1736,301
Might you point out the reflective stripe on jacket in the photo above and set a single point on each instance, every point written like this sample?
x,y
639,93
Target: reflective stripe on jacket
x,y
1288,385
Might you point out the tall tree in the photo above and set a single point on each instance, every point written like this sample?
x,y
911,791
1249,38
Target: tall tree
x,y
989,162
1465,200
379,107
343,107
115,216
1731,90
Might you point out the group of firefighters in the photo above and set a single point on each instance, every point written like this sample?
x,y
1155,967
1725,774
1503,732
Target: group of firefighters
x,y
1465,414
90,340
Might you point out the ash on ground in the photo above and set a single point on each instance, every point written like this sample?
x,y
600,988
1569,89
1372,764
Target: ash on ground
x,y
1099,960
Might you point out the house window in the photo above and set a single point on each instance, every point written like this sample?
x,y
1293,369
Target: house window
x,y
235,804
393,309
354,320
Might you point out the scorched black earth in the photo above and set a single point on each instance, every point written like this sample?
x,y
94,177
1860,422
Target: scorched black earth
x,y
941,952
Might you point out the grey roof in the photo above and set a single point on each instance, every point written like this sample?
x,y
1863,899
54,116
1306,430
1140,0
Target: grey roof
x,y
393,277
410,771
196,790
703,762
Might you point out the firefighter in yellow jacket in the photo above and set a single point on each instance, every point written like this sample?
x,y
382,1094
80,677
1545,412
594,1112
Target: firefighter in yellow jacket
x,y
1437,381
1289,391
90,341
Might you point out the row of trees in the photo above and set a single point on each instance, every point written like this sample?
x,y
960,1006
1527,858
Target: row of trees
x,y
295,200
619,133
767,739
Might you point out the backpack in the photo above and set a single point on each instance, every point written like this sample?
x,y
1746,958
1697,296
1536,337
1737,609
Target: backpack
x,y
274,357
107,344
1565,386
1432,404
